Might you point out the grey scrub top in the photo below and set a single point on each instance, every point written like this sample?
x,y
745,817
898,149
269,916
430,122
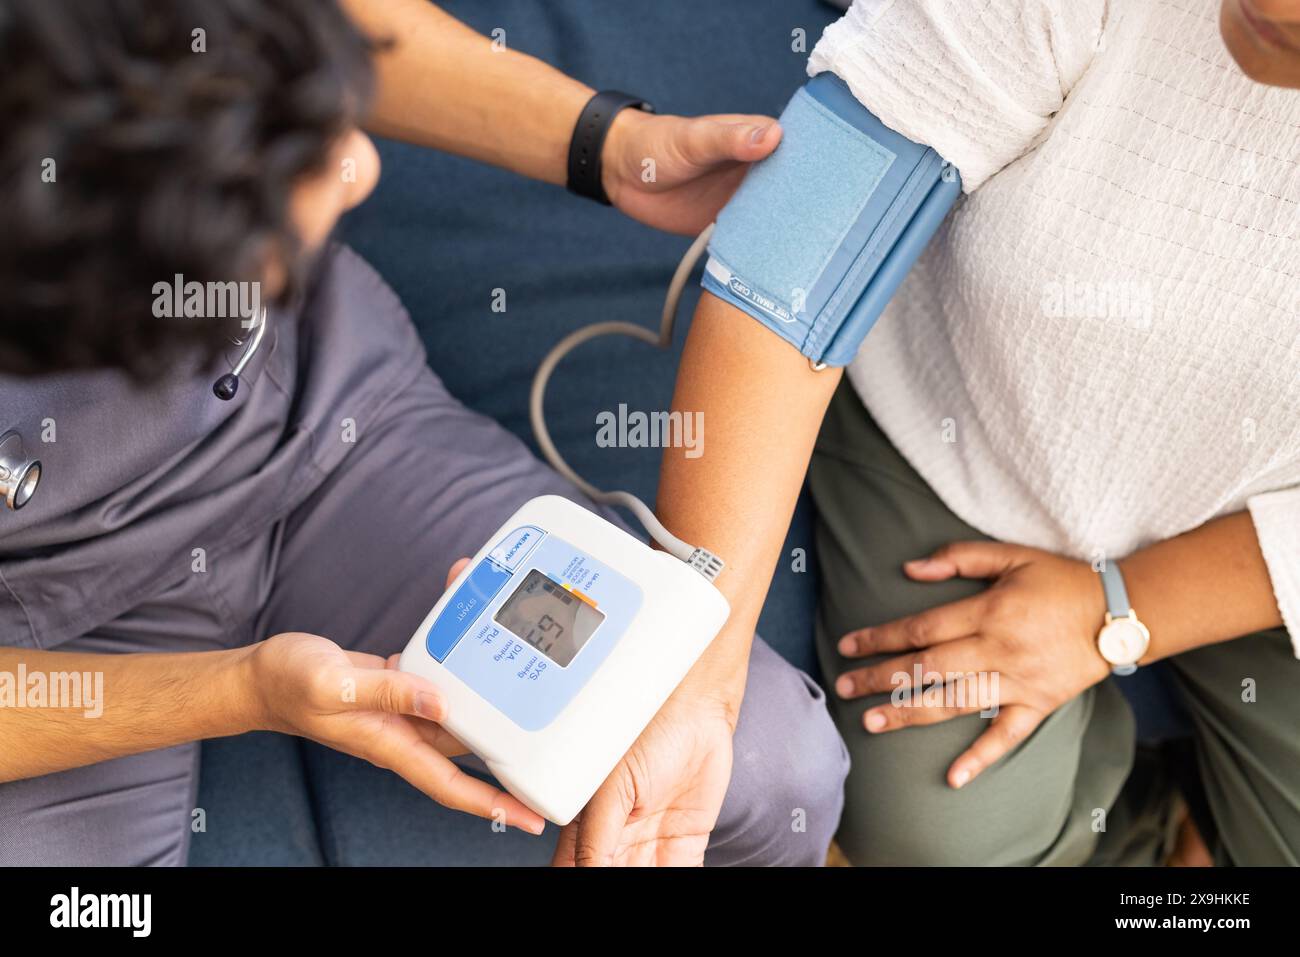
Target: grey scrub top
x,y
134,480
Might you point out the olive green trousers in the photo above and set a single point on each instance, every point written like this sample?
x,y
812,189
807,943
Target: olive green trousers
x,y
1061,797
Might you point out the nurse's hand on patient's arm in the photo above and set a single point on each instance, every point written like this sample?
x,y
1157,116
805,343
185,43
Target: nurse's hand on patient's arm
x,y
1035,627
446,86
675,173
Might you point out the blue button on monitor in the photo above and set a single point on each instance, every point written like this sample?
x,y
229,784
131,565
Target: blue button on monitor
x,y
465,606
515,547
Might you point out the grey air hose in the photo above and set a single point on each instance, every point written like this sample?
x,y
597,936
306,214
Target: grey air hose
x,y
702,560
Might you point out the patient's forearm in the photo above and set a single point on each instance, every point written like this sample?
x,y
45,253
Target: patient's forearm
x,y
1205,586
762,407
148,702
445,86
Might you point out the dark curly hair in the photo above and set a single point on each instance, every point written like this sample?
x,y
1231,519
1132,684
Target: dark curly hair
x,y
166,160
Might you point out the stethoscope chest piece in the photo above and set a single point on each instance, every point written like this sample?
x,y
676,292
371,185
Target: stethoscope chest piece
x,y
19,475
227,385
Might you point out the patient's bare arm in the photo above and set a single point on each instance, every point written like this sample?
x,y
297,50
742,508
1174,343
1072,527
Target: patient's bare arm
x,y
762,406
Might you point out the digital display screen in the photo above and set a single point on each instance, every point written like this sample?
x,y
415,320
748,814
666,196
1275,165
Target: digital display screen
x,y
549,617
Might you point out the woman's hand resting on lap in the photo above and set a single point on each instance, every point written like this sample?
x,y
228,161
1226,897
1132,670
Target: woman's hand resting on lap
x,y
1035,627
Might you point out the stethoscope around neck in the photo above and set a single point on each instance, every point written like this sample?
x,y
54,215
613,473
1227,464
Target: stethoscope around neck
x,y
19,474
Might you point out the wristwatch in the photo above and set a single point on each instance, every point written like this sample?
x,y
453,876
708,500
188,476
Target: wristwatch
x,y
1123,640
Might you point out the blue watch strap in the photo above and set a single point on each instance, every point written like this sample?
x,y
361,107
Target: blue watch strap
x,y
1112,583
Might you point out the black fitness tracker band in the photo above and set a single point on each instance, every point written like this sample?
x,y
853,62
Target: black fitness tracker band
x,y
589,138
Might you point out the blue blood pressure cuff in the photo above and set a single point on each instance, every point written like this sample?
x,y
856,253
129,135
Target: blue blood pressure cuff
x,y
819,236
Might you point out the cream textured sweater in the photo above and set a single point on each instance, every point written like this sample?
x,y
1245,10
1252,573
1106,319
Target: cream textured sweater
x,y
1101,347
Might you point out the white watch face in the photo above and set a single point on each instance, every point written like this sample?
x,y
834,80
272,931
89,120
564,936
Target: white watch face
x,y
1123,641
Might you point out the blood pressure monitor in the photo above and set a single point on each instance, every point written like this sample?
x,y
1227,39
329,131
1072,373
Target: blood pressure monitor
x,y
557,644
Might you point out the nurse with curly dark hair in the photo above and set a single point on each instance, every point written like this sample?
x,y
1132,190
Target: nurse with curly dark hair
x,y
167,170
